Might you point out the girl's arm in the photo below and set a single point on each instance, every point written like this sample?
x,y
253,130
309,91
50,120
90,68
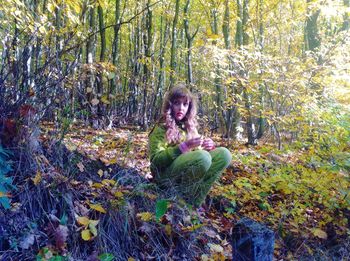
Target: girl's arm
x,y
161,153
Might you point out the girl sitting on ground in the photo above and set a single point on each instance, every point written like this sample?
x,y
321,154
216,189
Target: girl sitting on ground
x,y
180,157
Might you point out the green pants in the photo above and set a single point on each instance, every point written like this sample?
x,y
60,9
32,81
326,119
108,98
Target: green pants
x,y
192,174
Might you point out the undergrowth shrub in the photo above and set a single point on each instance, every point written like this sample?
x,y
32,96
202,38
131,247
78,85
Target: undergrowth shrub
x,y
5,182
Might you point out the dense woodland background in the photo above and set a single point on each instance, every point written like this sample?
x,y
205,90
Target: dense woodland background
x,y
272,74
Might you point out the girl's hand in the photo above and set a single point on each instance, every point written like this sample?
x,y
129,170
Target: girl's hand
x,y
194,143
208,144
190,144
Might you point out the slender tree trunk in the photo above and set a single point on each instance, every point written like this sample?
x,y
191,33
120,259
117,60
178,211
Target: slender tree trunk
x,y
346,17
261,120
312,38
189,39
115,48
102,59
90,54
147,40
226,32
161,74
173,45
239,27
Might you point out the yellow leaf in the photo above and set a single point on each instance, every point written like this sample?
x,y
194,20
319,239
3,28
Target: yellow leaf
x,y
37,178
104,99
108,181
98,208
204,257
145,216
94,222
168,229
131,259
86,235
150,196
88,90
118,194
2,194
100,172
42,29
93,229
83,221
97,185
216,248
319,233
50,7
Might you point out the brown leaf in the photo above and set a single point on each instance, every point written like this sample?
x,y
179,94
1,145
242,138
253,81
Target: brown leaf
x,y
61,235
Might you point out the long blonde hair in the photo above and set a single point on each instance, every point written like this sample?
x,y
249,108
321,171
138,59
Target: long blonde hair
x,y
173,134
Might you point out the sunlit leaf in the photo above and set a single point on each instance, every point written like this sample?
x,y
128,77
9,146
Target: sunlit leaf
x,y
37,178
145,216
319,233
98,207
215,248
83,221
86,235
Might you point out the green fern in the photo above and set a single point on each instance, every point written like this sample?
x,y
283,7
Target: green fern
x,y
5,182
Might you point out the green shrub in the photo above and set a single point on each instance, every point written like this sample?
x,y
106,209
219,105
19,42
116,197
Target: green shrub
x,y
5,182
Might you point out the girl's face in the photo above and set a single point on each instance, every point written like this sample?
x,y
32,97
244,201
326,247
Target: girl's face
x,y
180,108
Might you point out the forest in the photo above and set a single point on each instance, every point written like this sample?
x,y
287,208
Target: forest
x,y
82,85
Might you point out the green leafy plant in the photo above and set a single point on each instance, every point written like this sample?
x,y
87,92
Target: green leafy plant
x,y
161,208
5,182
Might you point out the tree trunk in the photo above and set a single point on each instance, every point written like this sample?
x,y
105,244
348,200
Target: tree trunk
x,y
312,38
100,70
173,45
261,120
147,40
239,27
90,54
161,74
346,18
115,48
189,39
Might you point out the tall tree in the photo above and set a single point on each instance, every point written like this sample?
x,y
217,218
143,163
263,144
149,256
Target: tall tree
x,y
312,37
147,41
115,44
346,19
174,44
189,40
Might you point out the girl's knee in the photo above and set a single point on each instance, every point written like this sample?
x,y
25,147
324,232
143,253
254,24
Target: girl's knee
x,y
225,155
201,157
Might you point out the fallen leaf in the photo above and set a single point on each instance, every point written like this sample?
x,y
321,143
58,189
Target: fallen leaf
x,y
145,216
98,207
319,233
37,178
86,235
83,221
61,234
216,248
100,172
118,194
81,167
168,229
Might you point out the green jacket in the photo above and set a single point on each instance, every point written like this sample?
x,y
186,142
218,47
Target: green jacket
x,y
162,154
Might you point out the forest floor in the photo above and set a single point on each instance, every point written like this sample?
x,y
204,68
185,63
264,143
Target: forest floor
x,y
297,228
293,192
